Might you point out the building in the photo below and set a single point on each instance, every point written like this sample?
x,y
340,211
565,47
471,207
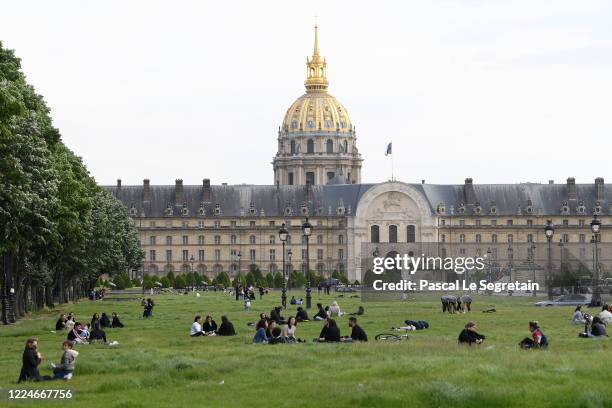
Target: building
x,y
317,174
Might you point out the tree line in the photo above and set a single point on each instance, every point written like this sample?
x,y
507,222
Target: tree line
x,y
60,230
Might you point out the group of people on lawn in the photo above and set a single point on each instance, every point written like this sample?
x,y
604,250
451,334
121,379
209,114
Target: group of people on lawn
x,y
210,328
594,326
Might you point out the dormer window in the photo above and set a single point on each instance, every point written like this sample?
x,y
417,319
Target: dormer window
x,y
493,208
565,208
581,209
597,209
217,210
461,208
202,210
477,209
133,211
185,210
441,209
169,212
252,210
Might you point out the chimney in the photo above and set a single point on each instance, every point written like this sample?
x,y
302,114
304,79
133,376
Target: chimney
x,y
599,188
179,197
206,190
422,181
469,196
118,183
551,181
146,190
571,188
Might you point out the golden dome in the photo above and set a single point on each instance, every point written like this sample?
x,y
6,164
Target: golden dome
x,y
316,110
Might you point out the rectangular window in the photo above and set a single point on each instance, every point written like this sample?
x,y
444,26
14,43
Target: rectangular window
x,y
252,239
252,254
288,239
272,254
443,238
341,253
233,224
233,240
217,239
152,240
462,223
272,239
290,179
341,239
582,253
462,238
200,224
169,255
510,238
566,238
169,240
217,255
185,224
443,223
509,222
319,254
582,238
168,223
252,224
530,223
200,239
271,223
494,238
320,239
529,237
478,238
201,255
152,224
185,240
185,255
494,222
565,223
152,255
310,178
581,223
217,224
477,223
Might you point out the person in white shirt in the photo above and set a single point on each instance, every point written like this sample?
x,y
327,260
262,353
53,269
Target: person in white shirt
x,y
578,317
196,327
289,329
334,310
605,315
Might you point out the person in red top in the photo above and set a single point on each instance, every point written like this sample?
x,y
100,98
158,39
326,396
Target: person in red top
x,y
537,340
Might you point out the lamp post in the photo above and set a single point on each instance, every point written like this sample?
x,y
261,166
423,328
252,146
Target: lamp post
x,y
510,259
489,252
289,255
307,230
239,255
191,261
282,235
596,230
549,230
533,249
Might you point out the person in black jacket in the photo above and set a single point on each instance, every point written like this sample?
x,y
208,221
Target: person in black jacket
x,y
95,322
330,332
276,337
105,321
61,322
275,315
30,360
321,313
226,328
209,326
357,333
469,335
116,323
301,315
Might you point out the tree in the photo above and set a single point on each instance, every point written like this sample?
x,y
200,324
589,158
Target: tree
x,y
250,279
238,280
223,279
270,280
179,282
278,280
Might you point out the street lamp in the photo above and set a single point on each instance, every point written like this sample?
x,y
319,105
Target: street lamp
x,y
282,235
596,230
510,259
191,261
307,230
549,230
533,249
289,255
489,252
239,255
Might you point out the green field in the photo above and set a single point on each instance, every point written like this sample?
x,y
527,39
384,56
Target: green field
x,y
157,364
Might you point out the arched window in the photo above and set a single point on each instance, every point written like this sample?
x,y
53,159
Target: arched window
x,y
410,234
375,234
310,147
293,147
330,146
393,233
345,144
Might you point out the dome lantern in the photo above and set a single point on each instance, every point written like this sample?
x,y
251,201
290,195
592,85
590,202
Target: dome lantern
x,y
316,69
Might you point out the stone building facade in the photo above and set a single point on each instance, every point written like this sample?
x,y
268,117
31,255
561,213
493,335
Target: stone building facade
x,y
317,174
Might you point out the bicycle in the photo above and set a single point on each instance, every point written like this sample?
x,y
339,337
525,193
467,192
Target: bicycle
x,y
391,337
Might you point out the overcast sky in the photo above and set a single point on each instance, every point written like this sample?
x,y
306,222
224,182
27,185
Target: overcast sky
x,y
499,91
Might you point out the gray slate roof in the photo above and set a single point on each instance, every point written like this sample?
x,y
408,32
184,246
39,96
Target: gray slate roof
x,y
269,200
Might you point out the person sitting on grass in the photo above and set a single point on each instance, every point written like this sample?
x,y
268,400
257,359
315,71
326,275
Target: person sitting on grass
x,y
226,328
357,333
330,332
276,337
537,341
469,335
69,325
301,315
116,323
276,316
64,370
300,301
293,301
105,321
97,334
578,316
196,327
334,310
598,328
95,322
78,335
260,333
605,315
289,329
321,313
148,305
210,326
360,311
61,322
30,361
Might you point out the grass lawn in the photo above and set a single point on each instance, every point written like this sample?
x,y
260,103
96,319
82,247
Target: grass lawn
x,y
157,364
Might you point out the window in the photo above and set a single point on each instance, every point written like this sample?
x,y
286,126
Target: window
x,y
581,223
288,239
152,255
252,224
310,146
341,239
152,224
233,224
530,223
169,255
566,238
152,240
443,223
477,223
169,240
320,239
375,234
217,224
565,223
329,146
582,253
185,224
271,223
494,222
310,178
252,239
509,222
217,239
233,240
393,233
201,255
410,233
582,238
478,238
340,253
529,237
200,224
462,223
233,254
200,239
292,146
217,255
319,254
185,240
443,238
330,175
168,223
510,238
272,239
252,254
290,178
185,255
273,254
494,238
462,238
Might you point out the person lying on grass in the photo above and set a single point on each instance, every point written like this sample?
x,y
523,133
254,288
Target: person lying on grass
x,y
330,331
360,311
469,335
226,328
64,370
116,323
260,332
537,341
210,326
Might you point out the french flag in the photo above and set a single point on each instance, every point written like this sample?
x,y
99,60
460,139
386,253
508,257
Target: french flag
x,y
389,149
